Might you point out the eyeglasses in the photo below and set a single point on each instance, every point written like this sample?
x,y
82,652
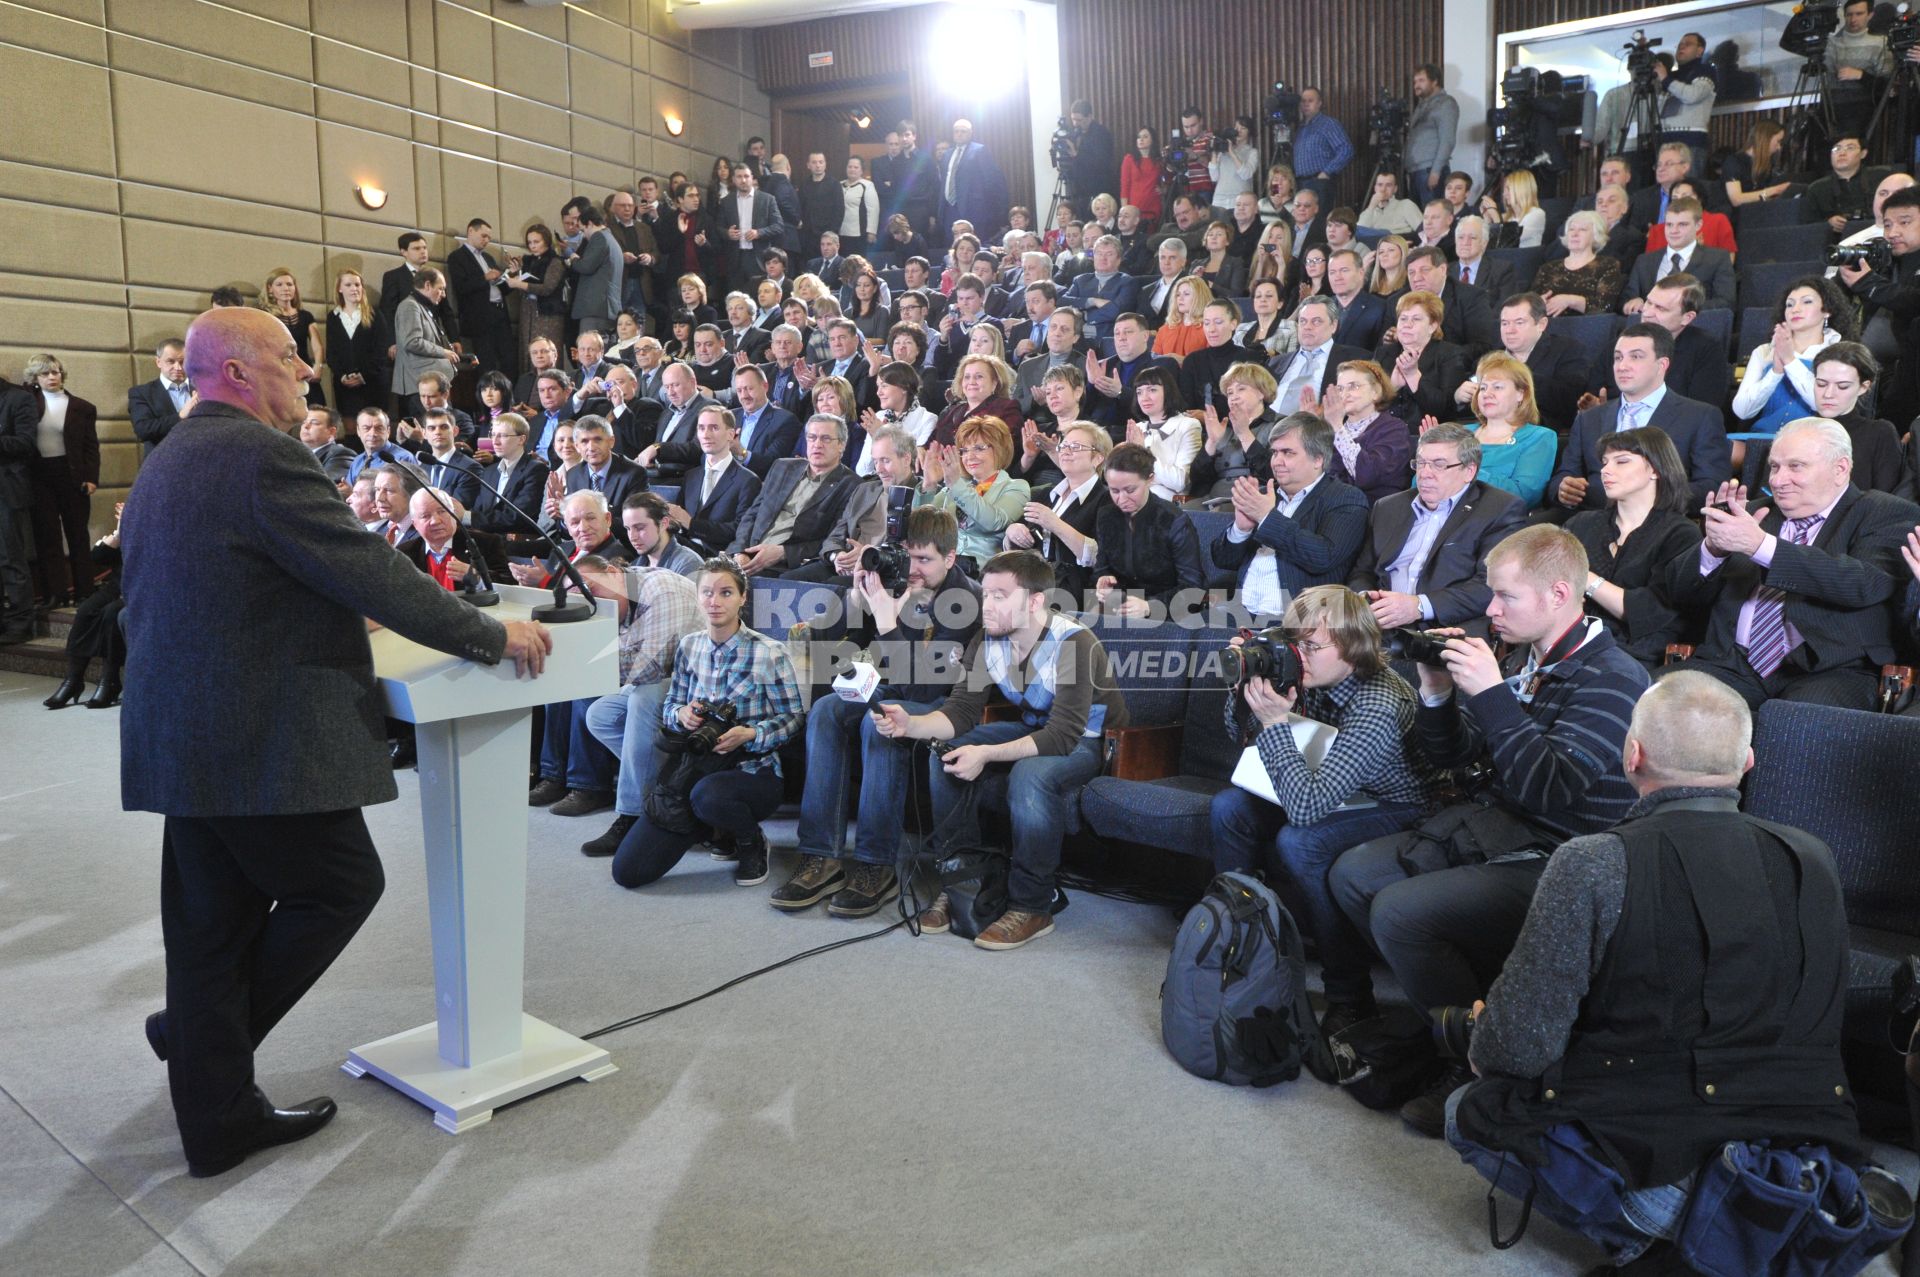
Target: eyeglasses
x,y
1436,467
1074,447
974,449
1312,648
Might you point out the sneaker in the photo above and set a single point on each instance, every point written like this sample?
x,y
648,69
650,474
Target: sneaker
x,y
868,889
1014,928
1427,1112
750,870
937,918
720,847
1342,1016
608,843
582,802
546,793
815,879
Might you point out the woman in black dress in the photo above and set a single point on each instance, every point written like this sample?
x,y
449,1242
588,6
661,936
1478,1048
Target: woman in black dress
x,y
1149,550
280,297
1059,522
96,632
1643,528
356,342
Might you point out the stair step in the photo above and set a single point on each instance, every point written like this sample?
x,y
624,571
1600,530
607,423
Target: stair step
x,y
44,656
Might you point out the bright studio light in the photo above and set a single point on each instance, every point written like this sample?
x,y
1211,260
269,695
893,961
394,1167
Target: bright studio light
x,y
958,76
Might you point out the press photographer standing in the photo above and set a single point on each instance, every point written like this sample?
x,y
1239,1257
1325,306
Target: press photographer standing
x,y
1091,165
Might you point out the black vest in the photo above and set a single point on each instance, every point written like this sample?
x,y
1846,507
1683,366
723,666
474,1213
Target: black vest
x,y
1716,1011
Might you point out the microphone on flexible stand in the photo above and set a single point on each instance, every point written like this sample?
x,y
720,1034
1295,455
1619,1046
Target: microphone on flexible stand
x,y
561,611
482,594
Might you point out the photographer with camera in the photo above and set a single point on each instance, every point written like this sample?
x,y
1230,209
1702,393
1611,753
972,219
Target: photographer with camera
x,y
1542,734
1674,994
1329,659
1233,166
734,701
1686,99
1891,302
1055,673
916,614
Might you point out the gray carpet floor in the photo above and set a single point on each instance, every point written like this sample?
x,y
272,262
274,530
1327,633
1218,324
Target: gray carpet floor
x,y
910,1106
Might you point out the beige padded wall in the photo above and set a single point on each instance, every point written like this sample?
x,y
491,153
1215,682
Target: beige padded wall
x,y
153,150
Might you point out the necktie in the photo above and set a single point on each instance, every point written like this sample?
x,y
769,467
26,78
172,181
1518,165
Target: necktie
x,y
1303,374
393,534
599,483
1630,414
1673,263
1466,273
1767,640
439,475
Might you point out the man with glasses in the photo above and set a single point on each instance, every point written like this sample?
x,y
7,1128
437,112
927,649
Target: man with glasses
x,y
790,523
515,479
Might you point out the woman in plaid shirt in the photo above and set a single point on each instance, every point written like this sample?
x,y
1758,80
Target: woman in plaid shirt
x,y
725,661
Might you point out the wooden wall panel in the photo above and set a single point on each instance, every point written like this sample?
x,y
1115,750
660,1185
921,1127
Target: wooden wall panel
x,y
1519,15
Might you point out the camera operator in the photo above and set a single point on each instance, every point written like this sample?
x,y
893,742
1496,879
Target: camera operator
x,y
1056,674
1430,135
914,641
1892,304
1091,165
1687,93
1346,683
1692,944
724,664
1854,52
1444,902
1196,145
1234,169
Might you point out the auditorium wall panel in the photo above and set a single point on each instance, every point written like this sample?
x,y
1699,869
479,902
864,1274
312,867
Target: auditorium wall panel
x,y
157,149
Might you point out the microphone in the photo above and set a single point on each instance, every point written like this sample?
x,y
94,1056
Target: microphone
x,y
482,594
560,611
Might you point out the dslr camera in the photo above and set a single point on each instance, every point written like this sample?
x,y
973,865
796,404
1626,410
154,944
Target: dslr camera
x,y
715,720
1268,654
1876,255
890,564
1452,1031
1422,647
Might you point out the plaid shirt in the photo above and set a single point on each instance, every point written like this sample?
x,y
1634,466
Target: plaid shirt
x,y
664,610
1376,755
753,672
1320,145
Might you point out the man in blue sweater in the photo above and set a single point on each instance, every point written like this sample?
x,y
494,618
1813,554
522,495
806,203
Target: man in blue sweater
x,y
1444,902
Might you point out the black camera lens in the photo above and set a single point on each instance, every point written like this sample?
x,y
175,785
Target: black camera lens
x,y
1452,1031
1422,647
1269,654
889,563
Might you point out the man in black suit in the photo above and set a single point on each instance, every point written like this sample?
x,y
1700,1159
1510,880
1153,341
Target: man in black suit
x,y
1467,319
1625,241
601,469
1364,316
844,360
821,208
1110,382
1309,222
826,267
1492,276
1092,167
398,284
542,354
319,432
516,478
481,299
1641,354
19,448
782,369
155,406
1683,255
1558,366
1303,529
1798,600
267,870
446,466
748,220
677,421
1699,371
448,552
633,420
1315,362
716,491
919,183
779,183
1424,559
799,503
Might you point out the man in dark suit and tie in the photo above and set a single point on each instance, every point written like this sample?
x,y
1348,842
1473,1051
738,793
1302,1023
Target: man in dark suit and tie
x,y
1303,529
1364,316
1798,599
1683,255
767,432
1467,316
1558,366
446,466
516,478
601,469
553,404
19,432
1700,370
748,220
789,523
1641,354
1424,559
845,360
1492,276
826,267
155,406
715,493
972,188
1103,294
266,867
319,432
1315,362
682,413
474,277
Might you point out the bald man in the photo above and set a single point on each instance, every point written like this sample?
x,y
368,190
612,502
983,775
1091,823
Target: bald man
x,y
252,724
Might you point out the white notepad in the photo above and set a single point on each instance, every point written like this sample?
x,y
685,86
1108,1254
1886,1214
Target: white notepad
x,y
1312,738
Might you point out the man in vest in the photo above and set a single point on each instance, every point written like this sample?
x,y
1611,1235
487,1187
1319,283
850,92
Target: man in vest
x,y
1055,672
1678,984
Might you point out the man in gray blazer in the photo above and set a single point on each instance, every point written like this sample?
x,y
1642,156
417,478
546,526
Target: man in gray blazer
x,y
419,344
598,269
792,521
252,722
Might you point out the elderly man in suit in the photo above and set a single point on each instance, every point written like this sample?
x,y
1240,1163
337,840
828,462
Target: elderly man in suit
x,y
1307,371
1683,255
266,867
1104,293
633,419
601,469
1798,600
1302,529
1496,278
1641,354
800,502
748,221
155,406
448,552
684,403
598,270
1467,318
1424,559
421,345
972,188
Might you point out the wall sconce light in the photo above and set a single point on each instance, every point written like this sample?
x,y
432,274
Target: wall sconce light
x,y
863,121
675,125
370,195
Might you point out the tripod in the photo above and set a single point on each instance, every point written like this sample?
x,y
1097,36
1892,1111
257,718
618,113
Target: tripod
x,y
1810,118
1889,133
1641,120
1053,203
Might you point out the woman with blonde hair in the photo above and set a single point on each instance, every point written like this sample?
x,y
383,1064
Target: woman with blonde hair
x,y
1182,334
1516,451
969,478
1273,254
982,387
357,339
1519,202
987,339
1387,277
280,297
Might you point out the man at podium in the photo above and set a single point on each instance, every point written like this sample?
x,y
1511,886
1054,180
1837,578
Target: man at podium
x,y
252,721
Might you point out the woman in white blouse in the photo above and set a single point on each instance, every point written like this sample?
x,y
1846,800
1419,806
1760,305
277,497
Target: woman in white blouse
x,y
897,385
860,221
1169,434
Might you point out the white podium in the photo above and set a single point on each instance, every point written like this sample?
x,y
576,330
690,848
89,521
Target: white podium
x,y
473,729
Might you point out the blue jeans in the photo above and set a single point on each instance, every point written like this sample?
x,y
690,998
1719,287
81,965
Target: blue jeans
x,y
1625,1225
568,753
834,726
733,802
1251,834
628,723
1036,794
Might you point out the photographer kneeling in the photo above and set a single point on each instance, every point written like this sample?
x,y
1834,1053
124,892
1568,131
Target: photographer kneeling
x,y
1542,734
734,701
917,638
1678,984
1346,683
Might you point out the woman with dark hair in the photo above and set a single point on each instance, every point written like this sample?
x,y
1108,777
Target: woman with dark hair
x,y
1308,278
495,394
1149,550
1140,176
868,315
722,184
1165,430
1268,331
1814,313
1226,275
538,279
1372,448
356,342
1842,375
1644,527
96,631
1751,172
628,328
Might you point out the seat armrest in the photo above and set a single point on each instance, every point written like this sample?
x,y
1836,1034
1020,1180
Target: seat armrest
x,y
1143,753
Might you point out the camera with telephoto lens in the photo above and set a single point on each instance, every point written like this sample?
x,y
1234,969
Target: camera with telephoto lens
x,y
1268,654
715,720
1219,143
1422,647
1452,1031
891,564
1876,255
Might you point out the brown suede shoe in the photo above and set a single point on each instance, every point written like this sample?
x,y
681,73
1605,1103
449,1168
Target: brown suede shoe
x,y
1014,928
937,921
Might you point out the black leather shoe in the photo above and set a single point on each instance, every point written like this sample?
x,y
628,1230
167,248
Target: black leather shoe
x,y
608,843
107,695
1427,1112
276,1127
750,870
157,1034
67,693
403,753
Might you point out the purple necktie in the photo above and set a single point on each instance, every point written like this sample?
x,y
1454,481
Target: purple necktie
x,y
1767,640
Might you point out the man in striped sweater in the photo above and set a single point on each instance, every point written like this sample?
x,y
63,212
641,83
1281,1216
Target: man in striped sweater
x,y
1444,902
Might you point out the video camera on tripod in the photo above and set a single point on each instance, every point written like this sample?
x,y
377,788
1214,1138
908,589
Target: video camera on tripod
x,y
1904,35
1060,147
1537,106
1640,60
1283,117
1387,131
1810,28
